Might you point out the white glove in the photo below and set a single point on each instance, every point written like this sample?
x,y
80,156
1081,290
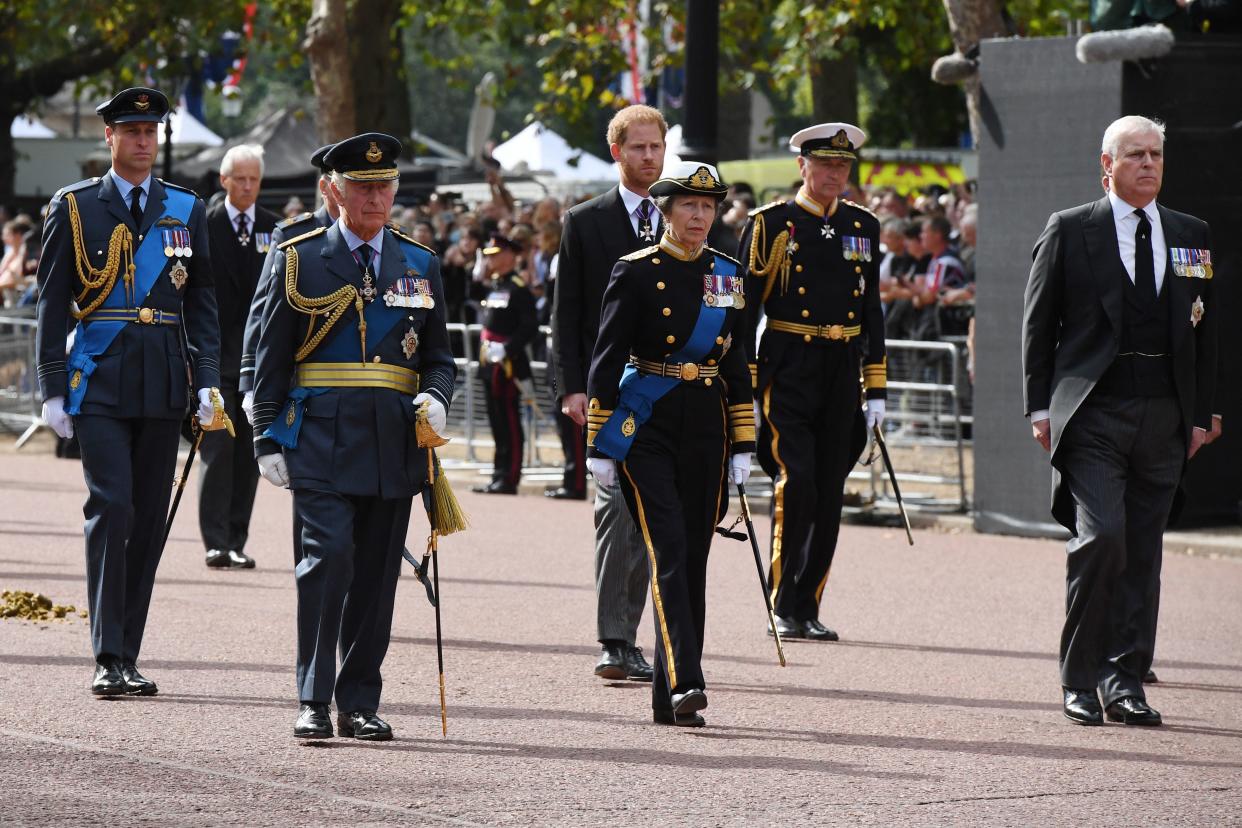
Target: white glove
x,y
875,413
248,406
739,468
206,411
437,417
603,470
272,467
55,416
495,352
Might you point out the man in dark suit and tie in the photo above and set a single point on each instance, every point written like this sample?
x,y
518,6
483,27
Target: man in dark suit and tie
x,y
241,235
1119,356
596,234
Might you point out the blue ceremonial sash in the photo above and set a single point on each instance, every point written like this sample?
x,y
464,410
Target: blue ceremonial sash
x,y
639,392
93,338
284,429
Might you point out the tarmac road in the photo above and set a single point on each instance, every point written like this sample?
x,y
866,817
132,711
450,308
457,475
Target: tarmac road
x,y
940,705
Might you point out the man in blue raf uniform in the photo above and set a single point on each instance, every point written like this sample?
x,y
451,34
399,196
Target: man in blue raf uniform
x,y
352,343
126,256
812,266
509,324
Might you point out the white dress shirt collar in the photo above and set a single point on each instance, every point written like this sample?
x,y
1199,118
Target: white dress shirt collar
x,y
234,213
377,242
124,187
1123,209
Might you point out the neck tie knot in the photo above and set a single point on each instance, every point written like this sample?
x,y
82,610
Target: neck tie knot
x,y
243,232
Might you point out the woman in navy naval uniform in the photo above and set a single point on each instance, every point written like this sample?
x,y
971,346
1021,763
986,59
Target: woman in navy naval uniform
x,y
670,403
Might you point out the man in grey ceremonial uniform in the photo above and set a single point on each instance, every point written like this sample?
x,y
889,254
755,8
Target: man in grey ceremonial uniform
x,y
1119,355
127,256
352,343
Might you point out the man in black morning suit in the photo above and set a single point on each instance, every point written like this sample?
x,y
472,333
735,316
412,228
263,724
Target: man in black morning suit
x,y
123,386
1119,356
596,234
352,343
241,234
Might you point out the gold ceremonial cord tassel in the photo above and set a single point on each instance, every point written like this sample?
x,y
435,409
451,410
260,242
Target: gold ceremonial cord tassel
x,y
766,267
120,254
219,417
332,306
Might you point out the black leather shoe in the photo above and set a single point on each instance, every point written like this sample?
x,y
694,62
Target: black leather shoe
x,y
561,493
1082,707
788,628
495,487
1132,710
612,664
108,679
818,632
363,724
136,684
668,717
217,558
239,560
314,722
1150,677
691,701
636,667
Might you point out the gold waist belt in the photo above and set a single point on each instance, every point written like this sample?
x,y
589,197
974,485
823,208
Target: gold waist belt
x,y
842,333
357,375
685,371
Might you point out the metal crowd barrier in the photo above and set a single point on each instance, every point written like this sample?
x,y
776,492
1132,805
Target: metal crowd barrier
x,y
20,403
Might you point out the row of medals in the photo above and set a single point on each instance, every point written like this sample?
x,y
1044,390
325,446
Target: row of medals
x,y
178,272
724,300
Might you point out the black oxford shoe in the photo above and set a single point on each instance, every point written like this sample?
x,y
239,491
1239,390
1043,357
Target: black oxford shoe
x,y
136,684
495,487
818,632
1133,711
240,560
217,558
636,667
668,717
561,493
108,679
691,701
1150,677
363,724
1083,707
314,722
611,664
788,628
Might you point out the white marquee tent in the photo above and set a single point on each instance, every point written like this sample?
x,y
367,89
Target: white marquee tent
x,y
537,149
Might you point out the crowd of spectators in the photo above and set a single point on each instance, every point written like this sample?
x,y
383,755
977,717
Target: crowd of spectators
x,y
20,260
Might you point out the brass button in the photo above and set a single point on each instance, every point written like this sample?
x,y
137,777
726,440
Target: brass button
x,y
670,339
145,315
667,311
707,381
806,337
850,315
858,268
375,359
855,293
139,237
659,286
789,224
711,362
655,260
801,290
720,340
805,314
798,268
711,265
858,224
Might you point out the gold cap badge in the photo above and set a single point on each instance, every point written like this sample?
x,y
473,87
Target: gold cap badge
x,y
841,140
703,179
375,154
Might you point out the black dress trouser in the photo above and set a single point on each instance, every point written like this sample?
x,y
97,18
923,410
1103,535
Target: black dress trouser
x,y
505,416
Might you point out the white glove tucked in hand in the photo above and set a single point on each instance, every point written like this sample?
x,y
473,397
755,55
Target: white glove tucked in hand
x,y
437,417
875,413
55,416
739,468
206,411
272,467
603,470
495,352
248,406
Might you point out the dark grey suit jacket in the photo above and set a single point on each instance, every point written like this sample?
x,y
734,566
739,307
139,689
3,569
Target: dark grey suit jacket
x,y
1071,325
237,271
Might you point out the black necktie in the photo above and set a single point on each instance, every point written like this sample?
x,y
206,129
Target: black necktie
x,y
363,253
135,206
1144,266
243,233
645,231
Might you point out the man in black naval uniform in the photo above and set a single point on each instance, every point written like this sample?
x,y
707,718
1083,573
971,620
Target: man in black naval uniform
x,y
241,233
813,268
126,255
352,344
290,228
510,322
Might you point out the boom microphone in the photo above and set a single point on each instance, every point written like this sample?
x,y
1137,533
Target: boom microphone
x,y
954,68
1139,43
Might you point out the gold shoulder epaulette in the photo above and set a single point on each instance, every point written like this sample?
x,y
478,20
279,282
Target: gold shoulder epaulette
x,y
517,280
639,254
294,219
713,250
404,237
767,206
303,237
860,207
